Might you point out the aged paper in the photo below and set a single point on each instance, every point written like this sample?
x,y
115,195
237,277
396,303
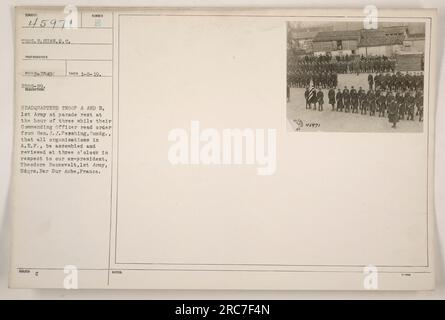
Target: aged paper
x,y
272,149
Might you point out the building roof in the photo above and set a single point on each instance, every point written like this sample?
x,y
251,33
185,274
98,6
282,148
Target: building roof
x,y
416,36
385,36
408,53
395,29
304,35
376,38
325,36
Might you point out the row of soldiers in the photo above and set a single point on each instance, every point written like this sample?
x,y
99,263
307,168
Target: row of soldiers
x,y
383,81
301,79
396,81
327,56
398,106
357,65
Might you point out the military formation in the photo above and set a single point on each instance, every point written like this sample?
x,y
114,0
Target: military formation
x,y
385,81
343,64
399,104
322,79
395,95
396,81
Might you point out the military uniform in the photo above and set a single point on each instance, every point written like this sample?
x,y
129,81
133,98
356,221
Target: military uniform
x,y
419,103
393,117
370,97
409,102
361,96
370,81
339,98
331,96
306,97
378,81
381,104
390,99
354,100
364,104
401,105
346,100
320,99
393,81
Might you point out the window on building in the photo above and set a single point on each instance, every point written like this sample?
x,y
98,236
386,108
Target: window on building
x,y
339,45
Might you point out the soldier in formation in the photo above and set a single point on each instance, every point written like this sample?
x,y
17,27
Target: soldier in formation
x,y
323,79
398,81
399,106
331,97
346,64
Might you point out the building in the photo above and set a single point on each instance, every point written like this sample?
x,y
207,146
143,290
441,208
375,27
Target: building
x,y
385,41
414,43
303,40
336,42
395,31
302,37
409,61
388,40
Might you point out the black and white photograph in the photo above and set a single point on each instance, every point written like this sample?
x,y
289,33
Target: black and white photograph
x,y
342,77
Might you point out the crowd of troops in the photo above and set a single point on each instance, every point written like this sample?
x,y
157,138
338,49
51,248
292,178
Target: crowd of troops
x,y
385,81
344,64
396,81
396,105
321,79
391,94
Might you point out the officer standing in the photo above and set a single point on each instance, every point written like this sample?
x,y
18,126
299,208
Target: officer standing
x,y
320,99
365,103
419,102
390,99
346,99
354,99
409,101
370,81
331,96
393,117
377,81
361,95
371,100
306,98
400,100
339,98
381,104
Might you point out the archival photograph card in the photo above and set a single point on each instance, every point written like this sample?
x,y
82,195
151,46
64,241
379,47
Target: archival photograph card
x,y
259,149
